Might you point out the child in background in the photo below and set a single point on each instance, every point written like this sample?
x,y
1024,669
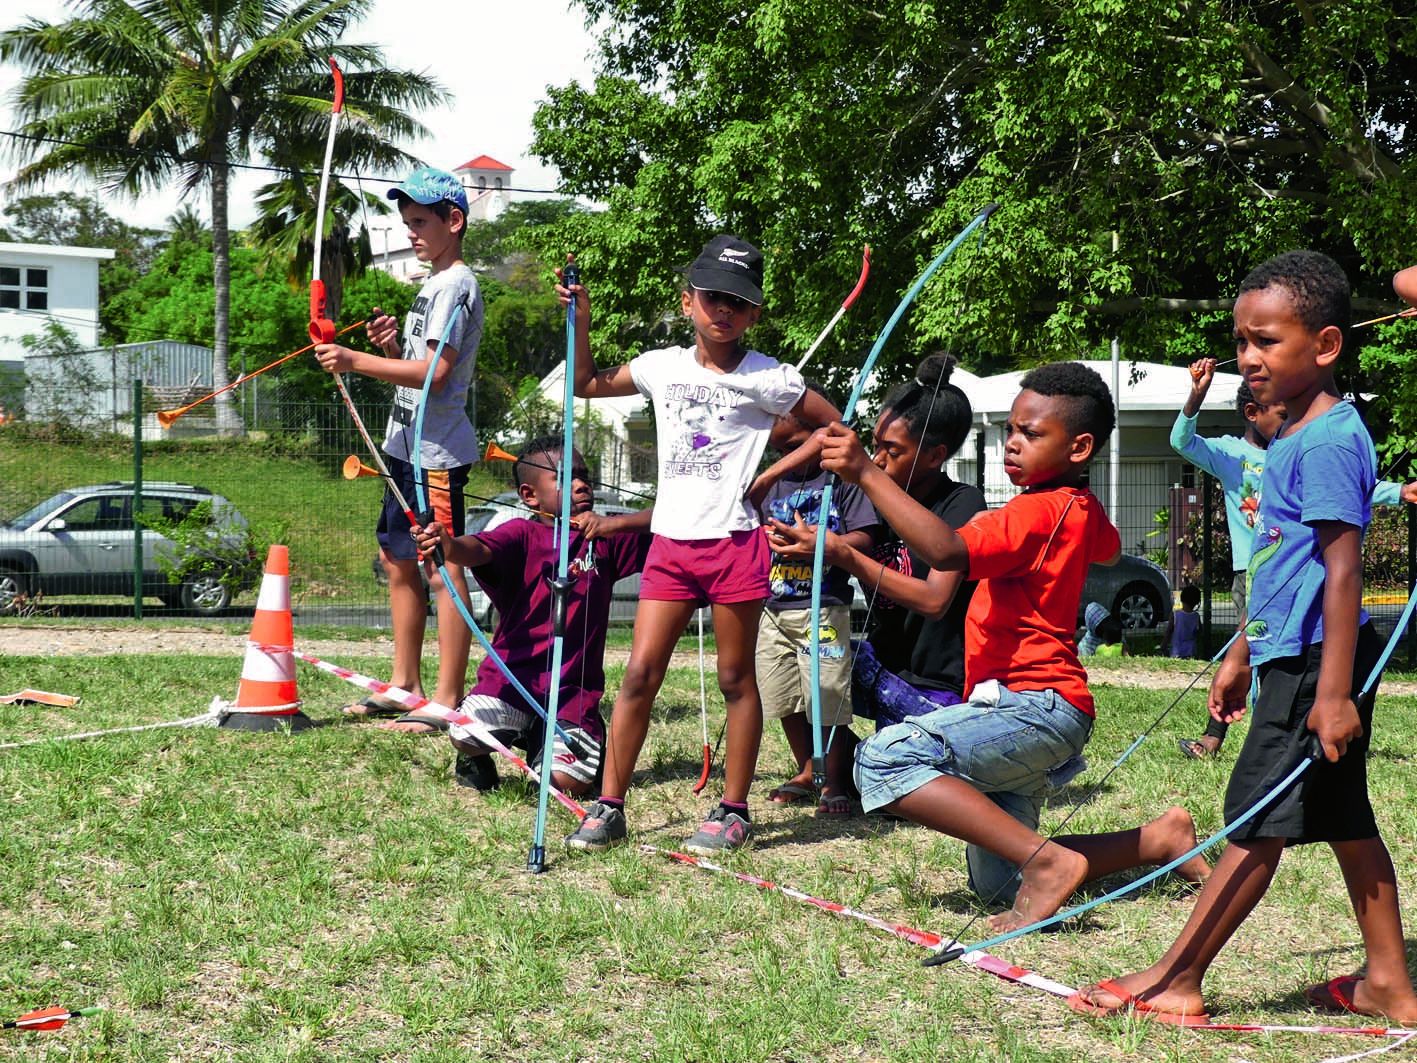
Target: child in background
x,y
434,208
1110,639
784,636
912,659
511,563
1183,629
714,404
980,771
1238,462
1089,636
1314,647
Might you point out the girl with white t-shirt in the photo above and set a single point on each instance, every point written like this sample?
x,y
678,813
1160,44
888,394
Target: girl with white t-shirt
x,y
714,404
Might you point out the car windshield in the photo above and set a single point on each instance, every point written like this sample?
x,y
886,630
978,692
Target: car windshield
x,y
48,506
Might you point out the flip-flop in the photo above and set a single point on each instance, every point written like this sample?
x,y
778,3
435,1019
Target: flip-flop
x,y
1188,746
835,806
1132,1005
790,793
374,708
1335,995
432,724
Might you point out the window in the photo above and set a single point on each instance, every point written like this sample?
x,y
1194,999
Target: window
x,y
498,182
24,288
482,183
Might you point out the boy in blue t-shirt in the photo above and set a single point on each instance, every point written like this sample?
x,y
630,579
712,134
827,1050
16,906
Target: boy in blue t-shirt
x,y
1238,462
1314,647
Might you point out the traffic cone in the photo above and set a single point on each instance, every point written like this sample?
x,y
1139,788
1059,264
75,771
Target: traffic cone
x,y
266,700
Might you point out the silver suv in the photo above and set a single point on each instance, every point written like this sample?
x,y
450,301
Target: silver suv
x,y
80,541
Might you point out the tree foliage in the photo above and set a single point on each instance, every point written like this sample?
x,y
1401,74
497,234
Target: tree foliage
x,y
144,92
1206,136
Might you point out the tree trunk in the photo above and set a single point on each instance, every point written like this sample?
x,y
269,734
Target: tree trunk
x,y
228,420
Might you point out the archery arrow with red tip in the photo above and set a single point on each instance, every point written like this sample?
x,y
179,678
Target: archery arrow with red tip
x,y
845,306
48,1018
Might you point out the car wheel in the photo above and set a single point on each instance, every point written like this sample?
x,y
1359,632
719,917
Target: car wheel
x,y
13,585
1138,606
205,594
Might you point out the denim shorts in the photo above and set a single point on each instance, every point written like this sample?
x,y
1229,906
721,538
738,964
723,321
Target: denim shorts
x,y
1016,747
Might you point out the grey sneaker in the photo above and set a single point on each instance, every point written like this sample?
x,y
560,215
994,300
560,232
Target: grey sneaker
x,y
603,826
476,772
723,830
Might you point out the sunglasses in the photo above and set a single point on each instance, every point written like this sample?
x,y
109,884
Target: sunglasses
x,y
735,303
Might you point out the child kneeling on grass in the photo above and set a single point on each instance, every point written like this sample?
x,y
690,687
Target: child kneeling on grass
x,y
980,770
1314,647
511,564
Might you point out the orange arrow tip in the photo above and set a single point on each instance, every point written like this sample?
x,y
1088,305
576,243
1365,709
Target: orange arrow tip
x,y
496,453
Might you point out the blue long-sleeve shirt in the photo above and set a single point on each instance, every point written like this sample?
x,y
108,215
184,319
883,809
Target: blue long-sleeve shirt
x,y
1238,464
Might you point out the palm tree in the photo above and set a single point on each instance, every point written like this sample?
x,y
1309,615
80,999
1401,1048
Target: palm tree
x,y
186,224
138,92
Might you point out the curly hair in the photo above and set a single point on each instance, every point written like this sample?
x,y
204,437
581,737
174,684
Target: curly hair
x,y
1089,404
1316,284
548,446
1244,397
934,411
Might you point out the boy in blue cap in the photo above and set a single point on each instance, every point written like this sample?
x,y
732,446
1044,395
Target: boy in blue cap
x,y
433,206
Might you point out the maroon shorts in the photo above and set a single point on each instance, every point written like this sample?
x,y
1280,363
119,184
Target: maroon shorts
x,y
723,571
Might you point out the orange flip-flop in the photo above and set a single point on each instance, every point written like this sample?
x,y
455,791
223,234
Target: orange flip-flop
x,y
1135,1006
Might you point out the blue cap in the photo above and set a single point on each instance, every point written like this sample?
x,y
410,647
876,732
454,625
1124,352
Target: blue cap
x,y
428,185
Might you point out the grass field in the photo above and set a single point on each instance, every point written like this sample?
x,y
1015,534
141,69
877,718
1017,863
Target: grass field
x,y
331,895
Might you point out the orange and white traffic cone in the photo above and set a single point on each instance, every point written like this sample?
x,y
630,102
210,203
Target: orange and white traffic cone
x,y
266,700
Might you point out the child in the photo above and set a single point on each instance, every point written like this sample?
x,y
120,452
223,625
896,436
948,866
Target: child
x,y
912,660
1237,462
511,563
784,636
1109,638
434,208
1314,647
1184,627
980,770
1088,638
714,403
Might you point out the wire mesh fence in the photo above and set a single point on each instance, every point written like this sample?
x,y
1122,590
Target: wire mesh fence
x,y
73,446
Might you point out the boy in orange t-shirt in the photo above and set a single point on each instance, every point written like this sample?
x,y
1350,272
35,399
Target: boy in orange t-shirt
x,y
981,770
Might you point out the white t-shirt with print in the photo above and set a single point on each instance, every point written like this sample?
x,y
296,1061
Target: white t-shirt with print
x,y
449,438
712,430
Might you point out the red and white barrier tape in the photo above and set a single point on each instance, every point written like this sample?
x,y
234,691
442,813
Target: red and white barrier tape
x,y
991,964
418,703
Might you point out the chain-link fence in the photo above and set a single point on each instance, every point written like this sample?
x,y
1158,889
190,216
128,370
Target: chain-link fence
x,y
277,476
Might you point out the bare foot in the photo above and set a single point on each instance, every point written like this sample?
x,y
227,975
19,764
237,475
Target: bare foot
x,y
1203,748
1168,836
1049,879
1144,986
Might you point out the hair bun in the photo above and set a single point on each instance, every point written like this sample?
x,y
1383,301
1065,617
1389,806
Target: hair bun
x,y
934,372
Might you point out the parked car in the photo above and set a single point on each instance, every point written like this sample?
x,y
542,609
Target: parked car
x,y
508,506
80,541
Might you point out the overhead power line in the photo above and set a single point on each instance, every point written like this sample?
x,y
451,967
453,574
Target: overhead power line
x,y
126,149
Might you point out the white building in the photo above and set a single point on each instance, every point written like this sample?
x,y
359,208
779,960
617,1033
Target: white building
x,y
48,282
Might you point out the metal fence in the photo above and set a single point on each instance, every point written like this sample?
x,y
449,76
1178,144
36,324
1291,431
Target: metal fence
x,y
282,473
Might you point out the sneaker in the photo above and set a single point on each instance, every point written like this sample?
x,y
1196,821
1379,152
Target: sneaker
x,y
477,772
723,830
603,826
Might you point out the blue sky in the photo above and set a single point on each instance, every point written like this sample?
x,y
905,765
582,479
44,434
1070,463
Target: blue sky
x,y
497,65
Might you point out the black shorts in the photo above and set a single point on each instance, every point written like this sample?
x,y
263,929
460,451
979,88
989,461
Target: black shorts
x,y
444,496
1328,802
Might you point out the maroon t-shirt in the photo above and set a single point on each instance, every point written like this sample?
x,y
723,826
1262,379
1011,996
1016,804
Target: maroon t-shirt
x,y
524,553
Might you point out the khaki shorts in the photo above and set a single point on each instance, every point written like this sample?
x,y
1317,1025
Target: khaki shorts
x,y
784,663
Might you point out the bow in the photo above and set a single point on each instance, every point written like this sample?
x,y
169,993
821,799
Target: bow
x,y
436,554
841,310
818,557
48,1018
561,584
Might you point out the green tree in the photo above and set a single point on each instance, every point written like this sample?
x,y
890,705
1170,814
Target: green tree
x,y
139,92
1206,136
